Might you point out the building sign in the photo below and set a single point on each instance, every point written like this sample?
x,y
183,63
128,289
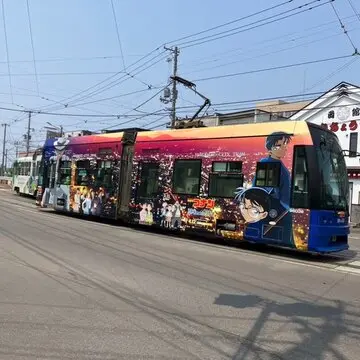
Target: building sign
x,y
343,113
345,126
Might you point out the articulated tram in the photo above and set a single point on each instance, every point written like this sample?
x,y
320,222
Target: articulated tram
x,y
279,183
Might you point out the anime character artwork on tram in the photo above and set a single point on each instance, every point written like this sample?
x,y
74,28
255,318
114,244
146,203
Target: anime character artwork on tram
x,y
228,182
212,180
187,180
88,175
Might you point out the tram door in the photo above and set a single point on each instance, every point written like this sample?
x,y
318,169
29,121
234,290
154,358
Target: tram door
x,y
125,172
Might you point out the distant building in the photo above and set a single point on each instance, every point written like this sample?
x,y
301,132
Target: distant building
x,y
275,110
339,111
50,134
77,133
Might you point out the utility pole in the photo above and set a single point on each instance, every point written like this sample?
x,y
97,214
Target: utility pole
x,y
176,53
17,144
3,154
6,160
28,135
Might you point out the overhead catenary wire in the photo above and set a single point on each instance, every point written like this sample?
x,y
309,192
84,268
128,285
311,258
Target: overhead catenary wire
x,y
354,9
140,60
274,68
122,79
7,51
74,102
118,34
137,107
113,83
32,46
264,54
34,111
107,86
252,26
117,81
261,70
229,22
343,28
73,98
269,42
336,71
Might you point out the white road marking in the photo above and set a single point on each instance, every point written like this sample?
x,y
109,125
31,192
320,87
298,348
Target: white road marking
x,y
348,269
355,263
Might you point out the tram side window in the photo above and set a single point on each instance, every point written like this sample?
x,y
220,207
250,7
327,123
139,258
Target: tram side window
x,y
227,166
28,168
103,176
149,180
300,198
37,168
186,177
65,173
24,168
83,172
225,178
268,174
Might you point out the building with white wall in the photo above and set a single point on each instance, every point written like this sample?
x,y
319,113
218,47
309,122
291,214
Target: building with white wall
x,y
339,111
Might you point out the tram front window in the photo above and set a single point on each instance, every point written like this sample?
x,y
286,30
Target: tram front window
x,y
334,185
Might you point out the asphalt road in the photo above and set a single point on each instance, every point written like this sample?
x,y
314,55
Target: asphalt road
x,y
75,289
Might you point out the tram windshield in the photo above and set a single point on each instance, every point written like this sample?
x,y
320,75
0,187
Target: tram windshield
x,y
334,184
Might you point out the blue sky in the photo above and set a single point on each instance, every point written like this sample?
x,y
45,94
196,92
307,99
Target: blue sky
x,y
73,37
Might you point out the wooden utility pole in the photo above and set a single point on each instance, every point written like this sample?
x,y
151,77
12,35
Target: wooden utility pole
x,y
6,160
176,53
3,154
28,135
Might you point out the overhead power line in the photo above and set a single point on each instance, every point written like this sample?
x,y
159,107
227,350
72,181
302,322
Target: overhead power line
x,y
32,45
253,25
245,59
229,22
291,37
344,29
114,83
118,34
354,9
7,51
274,68
74,97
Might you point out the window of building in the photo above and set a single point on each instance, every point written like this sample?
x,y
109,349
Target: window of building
x,y
103,176
83,173
149,180
268,174
187,176
64,173
353,144
300,192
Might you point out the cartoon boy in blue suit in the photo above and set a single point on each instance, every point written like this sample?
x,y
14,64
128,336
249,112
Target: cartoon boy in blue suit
x,y
277,144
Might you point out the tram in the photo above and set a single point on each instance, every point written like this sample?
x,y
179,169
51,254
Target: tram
x,y
278,183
